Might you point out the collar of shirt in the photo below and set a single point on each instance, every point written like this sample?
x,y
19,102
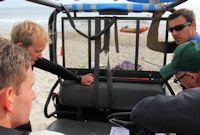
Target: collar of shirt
x,y
196,37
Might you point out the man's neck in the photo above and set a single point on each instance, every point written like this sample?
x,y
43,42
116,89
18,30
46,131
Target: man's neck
x,y
5,123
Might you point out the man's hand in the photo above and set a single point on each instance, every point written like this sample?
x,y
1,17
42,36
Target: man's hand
x,y
87,79
157,15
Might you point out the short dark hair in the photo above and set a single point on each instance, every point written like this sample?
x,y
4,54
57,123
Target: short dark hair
x,y
14,62
186,13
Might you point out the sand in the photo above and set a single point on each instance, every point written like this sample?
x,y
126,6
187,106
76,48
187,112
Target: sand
x,y
43,83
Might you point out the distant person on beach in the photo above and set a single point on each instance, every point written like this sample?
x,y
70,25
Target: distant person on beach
x,y
16,81
34,39
182,25
177,113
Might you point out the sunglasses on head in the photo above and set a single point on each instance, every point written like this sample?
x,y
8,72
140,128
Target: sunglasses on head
x,y
179,27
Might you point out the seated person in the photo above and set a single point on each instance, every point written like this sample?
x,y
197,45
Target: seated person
x,y
16,81
34,39
182,25
177,113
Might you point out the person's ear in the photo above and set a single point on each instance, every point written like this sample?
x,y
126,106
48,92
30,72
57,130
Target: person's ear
x,y
193,77
20,44
193,24
7,99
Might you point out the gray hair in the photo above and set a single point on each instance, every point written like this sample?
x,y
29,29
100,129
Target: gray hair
x,y
14,62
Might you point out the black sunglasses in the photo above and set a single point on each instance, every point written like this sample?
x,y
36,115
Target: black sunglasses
x,y
178,79
179,27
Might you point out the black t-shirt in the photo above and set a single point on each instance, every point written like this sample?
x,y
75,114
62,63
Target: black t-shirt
x,y
11,131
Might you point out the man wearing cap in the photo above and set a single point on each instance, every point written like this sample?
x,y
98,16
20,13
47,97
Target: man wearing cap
x,y
178,113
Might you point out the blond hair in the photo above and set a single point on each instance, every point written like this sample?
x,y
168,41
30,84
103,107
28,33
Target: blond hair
x,y
26,32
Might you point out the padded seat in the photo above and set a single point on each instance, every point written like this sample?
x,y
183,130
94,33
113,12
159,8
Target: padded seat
x,y
72,127
125,94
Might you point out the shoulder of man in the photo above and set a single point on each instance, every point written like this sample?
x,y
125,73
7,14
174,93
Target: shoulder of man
x,y
11,131
197,36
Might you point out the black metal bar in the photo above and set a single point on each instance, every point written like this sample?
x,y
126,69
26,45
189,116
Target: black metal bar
x,y
118,18
137,43
48,3
166,47
63,42
89,45
55,36
47,115
50,27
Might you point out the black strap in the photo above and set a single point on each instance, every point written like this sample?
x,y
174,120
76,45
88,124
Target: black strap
x,y
98,50
170,88
106,46
94,37
106,49
165,81
109,85
97,38
106,36
116,38
95,92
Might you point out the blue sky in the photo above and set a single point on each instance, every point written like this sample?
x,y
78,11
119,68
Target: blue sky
x,y
21,3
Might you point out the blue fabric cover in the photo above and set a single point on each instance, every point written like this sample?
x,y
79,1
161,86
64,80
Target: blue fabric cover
x,y
129,6
152,1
